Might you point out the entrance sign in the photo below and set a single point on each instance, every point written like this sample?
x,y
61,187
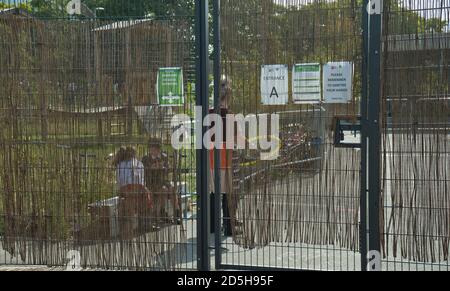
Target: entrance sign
x,y
338,82
169,87
274,85
306,86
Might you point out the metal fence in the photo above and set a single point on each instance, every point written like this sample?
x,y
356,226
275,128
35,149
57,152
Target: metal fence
x,y
302,210
415,143
74,90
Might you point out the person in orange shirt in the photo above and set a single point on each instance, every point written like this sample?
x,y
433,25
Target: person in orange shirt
x,y
226,163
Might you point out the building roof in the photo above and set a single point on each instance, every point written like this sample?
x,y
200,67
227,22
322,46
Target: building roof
x,y
418,42
14,11
122,24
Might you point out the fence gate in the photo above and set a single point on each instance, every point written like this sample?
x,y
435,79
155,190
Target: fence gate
x,y
361,183
78,82
302,210
415,140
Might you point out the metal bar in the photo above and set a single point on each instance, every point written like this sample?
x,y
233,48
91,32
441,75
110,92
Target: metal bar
x,y
258,269
217,186
374,125
364,136
202,91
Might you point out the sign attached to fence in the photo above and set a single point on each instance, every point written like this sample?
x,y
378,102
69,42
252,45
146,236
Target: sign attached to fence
x,y
169,87
338,82
274,85
306,86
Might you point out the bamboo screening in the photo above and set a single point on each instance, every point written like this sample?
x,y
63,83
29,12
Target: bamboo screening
x,y
309,196
416,170
72,93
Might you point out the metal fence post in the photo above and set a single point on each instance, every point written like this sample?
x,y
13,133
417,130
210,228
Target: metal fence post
x,y
364,136
202,94
371,135
218,188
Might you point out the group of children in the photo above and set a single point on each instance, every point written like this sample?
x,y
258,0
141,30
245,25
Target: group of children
x,y
149,198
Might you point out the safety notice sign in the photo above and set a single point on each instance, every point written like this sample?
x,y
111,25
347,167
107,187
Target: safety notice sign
x,y
337,82
306,85
169,87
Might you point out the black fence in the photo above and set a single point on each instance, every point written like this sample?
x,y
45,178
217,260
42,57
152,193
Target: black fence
x,y
415,152
359,184
300,211
76,89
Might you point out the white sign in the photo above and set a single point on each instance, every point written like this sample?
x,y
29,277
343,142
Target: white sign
x,y
274,85
306,86
338,82
74,7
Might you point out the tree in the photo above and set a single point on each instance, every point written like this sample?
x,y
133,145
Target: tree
x,y
117,9
141,8
435,25
48,8
6,5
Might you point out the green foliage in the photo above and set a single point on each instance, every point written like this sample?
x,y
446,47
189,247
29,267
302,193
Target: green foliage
x,y
48,8
403,21
24,6
435,25
117,8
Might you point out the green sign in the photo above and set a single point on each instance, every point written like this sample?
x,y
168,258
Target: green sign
x,y
306,85
169,87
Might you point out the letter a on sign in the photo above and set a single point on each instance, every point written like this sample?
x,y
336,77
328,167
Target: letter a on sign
x,y
274,85
374,7
274,93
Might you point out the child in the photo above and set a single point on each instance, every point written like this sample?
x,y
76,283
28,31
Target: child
x,y
157,179
134,196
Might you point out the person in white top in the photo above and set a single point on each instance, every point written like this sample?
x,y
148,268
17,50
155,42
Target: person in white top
x,y
129,170
136,200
